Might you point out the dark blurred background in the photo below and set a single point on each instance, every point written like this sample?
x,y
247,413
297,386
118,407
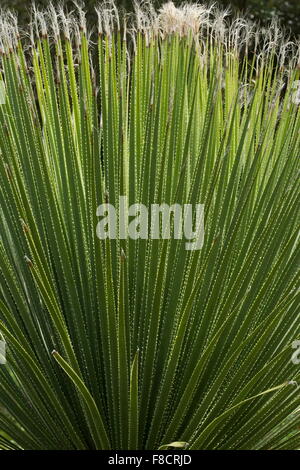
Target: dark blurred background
x,y
260,10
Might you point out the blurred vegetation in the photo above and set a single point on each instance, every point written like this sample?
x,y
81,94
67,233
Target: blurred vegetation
x,y
261,10
264,10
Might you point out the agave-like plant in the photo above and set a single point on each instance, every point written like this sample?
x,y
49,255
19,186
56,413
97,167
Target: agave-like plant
x,y
140,343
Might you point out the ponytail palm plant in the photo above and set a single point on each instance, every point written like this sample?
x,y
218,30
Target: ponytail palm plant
x,y
140,343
